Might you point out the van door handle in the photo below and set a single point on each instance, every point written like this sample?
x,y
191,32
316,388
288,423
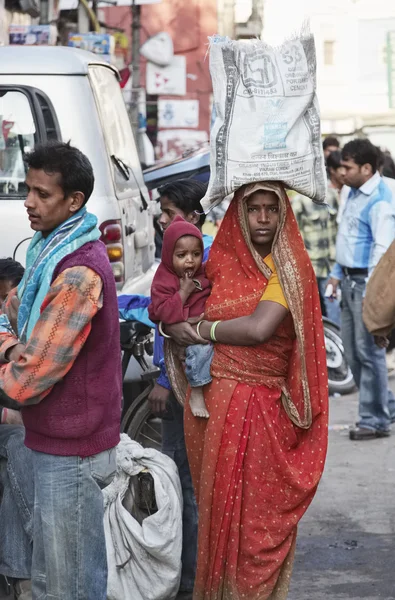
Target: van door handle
x,y
129,229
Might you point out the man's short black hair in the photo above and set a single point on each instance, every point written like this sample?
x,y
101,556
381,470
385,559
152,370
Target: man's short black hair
x,y
186,195
380,158
11,270
334,160
330,141
385,163
361,151
74,168
389,166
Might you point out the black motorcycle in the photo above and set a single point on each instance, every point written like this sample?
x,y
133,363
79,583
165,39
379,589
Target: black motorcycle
x,y
137,419
340,378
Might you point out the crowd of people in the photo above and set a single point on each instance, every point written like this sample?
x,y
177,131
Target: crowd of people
x,y
346,241
249,434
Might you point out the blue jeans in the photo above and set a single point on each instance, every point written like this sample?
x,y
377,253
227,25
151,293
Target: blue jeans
x,y
366,360
173,444
69,551
16,508
332,307
197,364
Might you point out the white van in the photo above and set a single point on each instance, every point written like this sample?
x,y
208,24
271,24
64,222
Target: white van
x,y
59,93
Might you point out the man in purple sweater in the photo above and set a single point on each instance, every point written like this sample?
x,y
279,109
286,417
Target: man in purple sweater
x,y
60,360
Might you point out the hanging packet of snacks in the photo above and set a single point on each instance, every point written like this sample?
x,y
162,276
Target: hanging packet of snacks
x,y
267,119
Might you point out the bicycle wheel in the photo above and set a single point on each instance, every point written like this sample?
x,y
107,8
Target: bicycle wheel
x,y
140,424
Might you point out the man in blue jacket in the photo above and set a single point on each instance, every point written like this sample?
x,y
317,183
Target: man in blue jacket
x,y
179,198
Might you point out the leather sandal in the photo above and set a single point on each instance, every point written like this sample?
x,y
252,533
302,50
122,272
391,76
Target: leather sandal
x,y
22,589
363,433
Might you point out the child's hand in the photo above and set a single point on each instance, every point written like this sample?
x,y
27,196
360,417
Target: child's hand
x,y
381,341
187,285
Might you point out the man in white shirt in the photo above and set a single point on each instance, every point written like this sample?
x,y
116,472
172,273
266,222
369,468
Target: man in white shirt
x,y
366,231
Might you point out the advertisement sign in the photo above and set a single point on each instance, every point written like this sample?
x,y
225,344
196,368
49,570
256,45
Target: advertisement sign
x,y
142,102
130,2
98,43
173,143
178,113
30,35
170,80
68,4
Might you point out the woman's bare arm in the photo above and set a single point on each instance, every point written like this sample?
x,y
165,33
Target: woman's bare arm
x,y
248,331
243,331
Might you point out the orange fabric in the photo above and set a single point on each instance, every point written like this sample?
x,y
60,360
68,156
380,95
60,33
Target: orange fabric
x,y
273,291
255,472
69,307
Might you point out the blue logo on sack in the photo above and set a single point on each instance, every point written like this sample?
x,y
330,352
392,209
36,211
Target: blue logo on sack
x,y
275,135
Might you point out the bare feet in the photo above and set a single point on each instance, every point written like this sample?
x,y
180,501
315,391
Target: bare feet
x,y
197,404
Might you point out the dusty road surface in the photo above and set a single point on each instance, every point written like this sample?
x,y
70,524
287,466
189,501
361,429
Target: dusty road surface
x,y
346,542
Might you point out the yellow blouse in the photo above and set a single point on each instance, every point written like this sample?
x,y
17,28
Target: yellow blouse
x,y
273,291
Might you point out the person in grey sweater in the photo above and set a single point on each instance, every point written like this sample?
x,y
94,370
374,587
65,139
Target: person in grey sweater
x,y
16,477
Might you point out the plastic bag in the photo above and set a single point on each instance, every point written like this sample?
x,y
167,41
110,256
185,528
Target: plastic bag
x,y
143,549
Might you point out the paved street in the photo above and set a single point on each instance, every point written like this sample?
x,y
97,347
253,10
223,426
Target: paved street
x,y
346,544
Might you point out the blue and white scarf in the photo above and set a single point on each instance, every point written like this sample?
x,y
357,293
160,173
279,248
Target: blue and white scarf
x,y
43,256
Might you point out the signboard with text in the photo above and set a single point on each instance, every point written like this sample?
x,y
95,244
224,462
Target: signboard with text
x,y
170,80
30,35
129,2
178,113
98,43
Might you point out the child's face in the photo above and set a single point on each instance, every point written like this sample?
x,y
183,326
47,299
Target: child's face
x,y
187,256
5,287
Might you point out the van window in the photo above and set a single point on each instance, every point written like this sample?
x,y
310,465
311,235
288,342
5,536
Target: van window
x,y
17,136
116,126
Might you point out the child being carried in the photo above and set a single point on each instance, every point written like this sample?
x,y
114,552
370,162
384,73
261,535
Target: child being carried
x,y
179,291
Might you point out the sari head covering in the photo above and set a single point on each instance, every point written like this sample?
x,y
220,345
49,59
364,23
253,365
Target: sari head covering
x,y
256,462
239,276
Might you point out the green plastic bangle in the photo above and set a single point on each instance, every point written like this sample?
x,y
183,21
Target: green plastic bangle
x,y
212,331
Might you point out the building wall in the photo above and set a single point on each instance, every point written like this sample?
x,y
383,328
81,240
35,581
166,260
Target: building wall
x,y
7,17
356,83
336,26
226,17
189,24
372,65
350,40
3,24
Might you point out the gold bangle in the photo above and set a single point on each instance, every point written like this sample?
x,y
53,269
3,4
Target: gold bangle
x,y
212,331
198,328
162,332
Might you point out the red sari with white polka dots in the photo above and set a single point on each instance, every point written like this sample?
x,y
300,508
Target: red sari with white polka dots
x,y
257,461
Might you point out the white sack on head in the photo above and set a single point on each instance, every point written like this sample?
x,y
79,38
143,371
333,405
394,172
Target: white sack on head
x,y
267,125
144,558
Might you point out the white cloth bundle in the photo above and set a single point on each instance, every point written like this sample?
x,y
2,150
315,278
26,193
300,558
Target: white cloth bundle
x,y
144,560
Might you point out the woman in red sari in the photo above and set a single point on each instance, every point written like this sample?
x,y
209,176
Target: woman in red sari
x,y
257,462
